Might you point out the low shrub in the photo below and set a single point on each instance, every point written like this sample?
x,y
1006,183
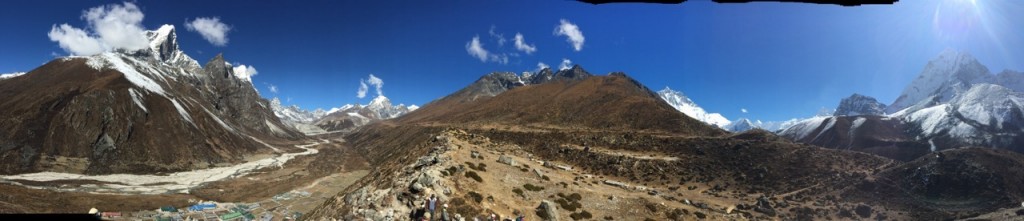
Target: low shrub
x,y
474,176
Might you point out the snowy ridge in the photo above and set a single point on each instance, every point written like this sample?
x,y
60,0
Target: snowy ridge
x,y
804,128
294,113
683,104
744,124
116,62
380,108
987,114
219,121
11,75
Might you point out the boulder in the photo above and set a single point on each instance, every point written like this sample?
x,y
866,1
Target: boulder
x,y
617,184
547,211
417,187
426,180
506,160
565,167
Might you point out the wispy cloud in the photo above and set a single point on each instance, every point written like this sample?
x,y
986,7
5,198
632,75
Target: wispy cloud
x,y
113,27
542,66
572,33
371,80
211,29
361,93
744,110
377,83
498,37
522,46
476,49
273,88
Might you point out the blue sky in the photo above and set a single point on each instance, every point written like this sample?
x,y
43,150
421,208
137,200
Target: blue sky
x,y
777,60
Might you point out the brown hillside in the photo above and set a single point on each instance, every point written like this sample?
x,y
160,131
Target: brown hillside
x,y
614,103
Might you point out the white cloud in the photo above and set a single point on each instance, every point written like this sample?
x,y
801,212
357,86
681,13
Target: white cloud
x,y
118,26
245,72
273,88
542,66
377,83
522,46
362,89
113,27
744,110
476,49
211,29
500,38
565,65
572,33
75,41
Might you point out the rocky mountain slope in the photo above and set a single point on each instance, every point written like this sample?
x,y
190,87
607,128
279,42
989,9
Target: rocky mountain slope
x,y
151,110
568,97
985,115
858,104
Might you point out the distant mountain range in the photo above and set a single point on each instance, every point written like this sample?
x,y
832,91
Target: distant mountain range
x,y
342,118
954,102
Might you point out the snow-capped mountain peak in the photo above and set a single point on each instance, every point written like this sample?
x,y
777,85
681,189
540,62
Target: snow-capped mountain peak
x,y
164,45
743,124
858,104
945,76
683,104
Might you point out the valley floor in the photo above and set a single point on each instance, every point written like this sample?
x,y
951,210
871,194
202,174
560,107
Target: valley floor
x,y
302,181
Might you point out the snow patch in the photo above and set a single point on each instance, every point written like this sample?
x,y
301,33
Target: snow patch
x,y
856,124
831,123
804,128
137,99
219,121
11,75
182,112
96,63
132,75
